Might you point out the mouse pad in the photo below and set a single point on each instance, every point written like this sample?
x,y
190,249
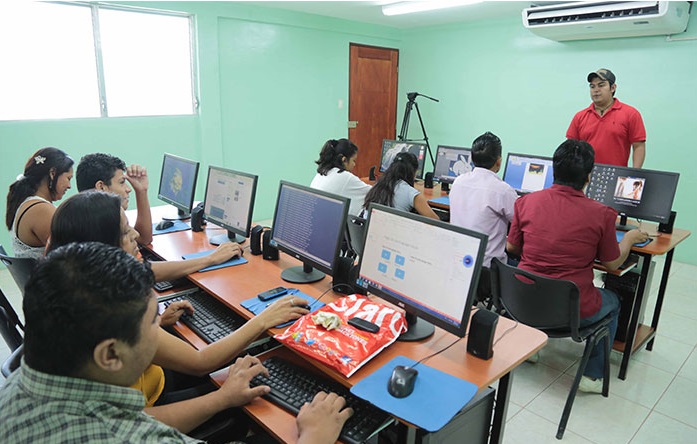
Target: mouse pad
x,y
443,200
620,235
228,263
178,226
436,399
256,306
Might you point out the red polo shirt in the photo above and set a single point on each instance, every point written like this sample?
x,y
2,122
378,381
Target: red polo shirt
x,y
610,135
561,232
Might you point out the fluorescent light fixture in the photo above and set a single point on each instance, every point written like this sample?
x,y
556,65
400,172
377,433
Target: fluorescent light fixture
x,y
408,7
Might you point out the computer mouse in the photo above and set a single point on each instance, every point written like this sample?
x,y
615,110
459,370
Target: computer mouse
x,y
402,381
164,224
305,306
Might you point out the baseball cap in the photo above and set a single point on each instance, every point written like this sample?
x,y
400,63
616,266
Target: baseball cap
x,y
604,74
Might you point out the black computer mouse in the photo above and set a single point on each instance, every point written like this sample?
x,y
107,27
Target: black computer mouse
x,y
402,381
164,224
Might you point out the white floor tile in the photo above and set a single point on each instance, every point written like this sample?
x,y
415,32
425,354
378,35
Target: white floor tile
x,y
654,383
526,428
667,354
680,401
529,380
659,428
689,369
678,327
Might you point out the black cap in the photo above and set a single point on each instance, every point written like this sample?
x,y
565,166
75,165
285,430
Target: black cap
x,y
604,74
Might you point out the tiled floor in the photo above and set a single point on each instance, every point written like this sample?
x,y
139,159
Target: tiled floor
x,y
655,404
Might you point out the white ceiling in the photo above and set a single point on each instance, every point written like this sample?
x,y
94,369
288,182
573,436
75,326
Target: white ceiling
x,y
371,12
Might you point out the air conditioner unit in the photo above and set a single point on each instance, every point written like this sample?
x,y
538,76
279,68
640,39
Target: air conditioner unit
x,y
602,20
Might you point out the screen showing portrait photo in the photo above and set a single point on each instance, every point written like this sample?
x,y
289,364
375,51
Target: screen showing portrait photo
x,y
390,149
451,162
178,181
528,173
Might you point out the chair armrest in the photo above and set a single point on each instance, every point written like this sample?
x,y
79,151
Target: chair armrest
x,y
13,361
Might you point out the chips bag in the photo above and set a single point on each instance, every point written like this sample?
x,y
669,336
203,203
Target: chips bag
x,y
345,348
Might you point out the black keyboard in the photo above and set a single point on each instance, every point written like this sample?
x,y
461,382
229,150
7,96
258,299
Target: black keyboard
x,y
292,386
212,320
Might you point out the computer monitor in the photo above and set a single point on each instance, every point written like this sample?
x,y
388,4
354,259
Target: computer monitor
x,y
432,275
451,161
634,192
178,184
527,173
390,148
229,203
309,225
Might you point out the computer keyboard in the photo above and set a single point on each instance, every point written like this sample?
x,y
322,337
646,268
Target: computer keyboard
x,y
292,386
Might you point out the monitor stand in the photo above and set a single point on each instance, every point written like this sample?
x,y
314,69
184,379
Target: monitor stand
x,y
302,274
226,237
622,225
417,329
180,215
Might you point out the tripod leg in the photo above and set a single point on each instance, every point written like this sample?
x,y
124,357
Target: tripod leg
x,y
423,130
405,121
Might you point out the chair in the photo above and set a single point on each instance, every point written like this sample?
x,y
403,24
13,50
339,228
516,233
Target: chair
x,y
20,267
355,226
13,361
552,306
11,327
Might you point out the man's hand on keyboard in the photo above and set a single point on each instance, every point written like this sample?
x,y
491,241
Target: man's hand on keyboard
x,y
282,310
235,390
174,311
225,252
321,420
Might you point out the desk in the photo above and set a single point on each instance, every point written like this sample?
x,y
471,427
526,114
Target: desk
x,y
235,284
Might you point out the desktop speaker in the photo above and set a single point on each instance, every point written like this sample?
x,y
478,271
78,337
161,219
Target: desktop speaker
x,y
445,186
668,227
428,180
197,221
480,341
269,252
255,239
344,277
371,175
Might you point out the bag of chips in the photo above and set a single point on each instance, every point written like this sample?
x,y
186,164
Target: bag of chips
x,y
344,347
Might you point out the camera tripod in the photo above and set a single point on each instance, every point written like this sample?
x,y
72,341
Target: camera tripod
x,y
411,103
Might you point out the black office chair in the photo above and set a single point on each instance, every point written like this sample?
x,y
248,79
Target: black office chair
x,y
355,227
12,362
20,267
11,327
553,306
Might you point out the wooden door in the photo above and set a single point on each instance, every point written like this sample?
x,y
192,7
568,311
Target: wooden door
x,y
372,102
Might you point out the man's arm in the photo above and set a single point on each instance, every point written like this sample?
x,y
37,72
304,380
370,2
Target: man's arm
x,y
513,250
137,177
638,154
630,238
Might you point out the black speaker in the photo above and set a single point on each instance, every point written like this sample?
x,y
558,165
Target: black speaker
x,y
371,175
480,341
255,239
341,282
668,227
197,221
268,252
428,180
445,186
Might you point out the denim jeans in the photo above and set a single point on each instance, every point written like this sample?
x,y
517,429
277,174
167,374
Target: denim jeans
x,y
610,304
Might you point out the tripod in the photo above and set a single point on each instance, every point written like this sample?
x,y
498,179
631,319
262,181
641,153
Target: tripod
x,y
411,103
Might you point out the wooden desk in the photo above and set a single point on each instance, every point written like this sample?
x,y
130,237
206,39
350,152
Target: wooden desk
x,y
233,285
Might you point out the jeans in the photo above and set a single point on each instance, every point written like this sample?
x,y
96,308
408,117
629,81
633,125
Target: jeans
x,y
610,304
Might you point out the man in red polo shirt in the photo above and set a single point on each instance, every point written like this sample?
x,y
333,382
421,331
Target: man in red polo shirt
x,y
559,232
611,127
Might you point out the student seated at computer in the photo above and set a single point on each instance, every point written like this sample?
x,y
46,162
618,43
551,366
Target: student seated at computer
x,y
336,161
106,222
481,201
45,180
559,232
395,187
91,329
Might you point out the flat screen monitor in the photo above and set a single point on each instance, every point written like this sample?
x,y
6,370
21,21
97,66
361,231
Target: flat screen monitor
x,y
433,276
309,225
527,173
451,161
390,148
229,203
634,192
178,184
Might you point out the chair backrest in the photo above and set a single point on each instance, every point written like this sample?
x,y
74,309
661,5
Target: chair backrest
x,y
538,301
356,233
10,326
20,267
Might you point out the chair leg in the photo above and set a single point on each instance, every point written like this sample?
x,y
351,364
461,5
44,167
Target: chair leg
x,y
606,372
574,387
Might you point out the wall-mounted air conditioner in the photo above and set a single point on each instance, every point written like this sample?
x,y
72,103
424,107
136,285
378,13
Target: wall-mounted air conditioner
x,y
602,20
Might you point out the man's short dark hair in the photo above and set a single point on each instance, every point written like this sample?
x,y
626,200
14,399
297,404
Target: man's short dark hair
x,y
95,167
486,150
78,296
573,162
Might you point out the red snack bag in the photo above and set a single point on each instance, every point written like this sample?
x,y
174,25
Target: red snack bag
x,y
346,349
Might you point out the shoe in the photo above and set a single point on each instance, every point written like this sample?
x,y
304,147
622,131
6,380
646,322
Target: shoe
x,y
590,385
534,359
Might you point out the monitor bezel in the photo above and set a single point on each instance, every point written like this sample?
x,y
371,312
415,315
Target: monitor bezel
x,y
450,147
423,164
250,209
172,202
529,156
460,331
304,258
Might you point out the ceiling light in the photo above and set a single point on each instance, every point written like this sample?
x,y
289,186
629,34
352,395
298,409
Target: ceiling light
x,y
408,7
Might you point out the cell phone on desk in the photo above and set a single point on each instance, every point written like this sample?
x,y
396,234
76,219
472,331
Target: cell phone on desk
x,y
273,293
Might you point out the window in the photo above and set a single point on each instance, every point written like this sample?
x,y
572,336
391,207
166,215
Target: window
x,y
80,60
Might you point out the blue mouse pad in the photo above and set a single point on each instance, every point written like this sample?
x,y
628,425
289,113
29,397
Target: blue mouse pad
x,y
436,399
620,236
256,306
443,200
229,263
178,226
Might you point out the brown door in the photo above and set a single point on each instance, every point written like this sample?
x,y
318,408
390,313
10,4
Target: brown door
x,y
372,102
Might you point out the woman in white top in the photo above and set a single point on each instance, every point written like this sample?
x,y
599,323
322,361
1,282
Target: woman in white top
x,y
336,161
395,187
46,178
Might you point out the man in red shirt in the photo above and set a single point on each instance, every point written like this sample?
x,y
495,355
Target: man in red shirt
x,y
559,232
613,128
